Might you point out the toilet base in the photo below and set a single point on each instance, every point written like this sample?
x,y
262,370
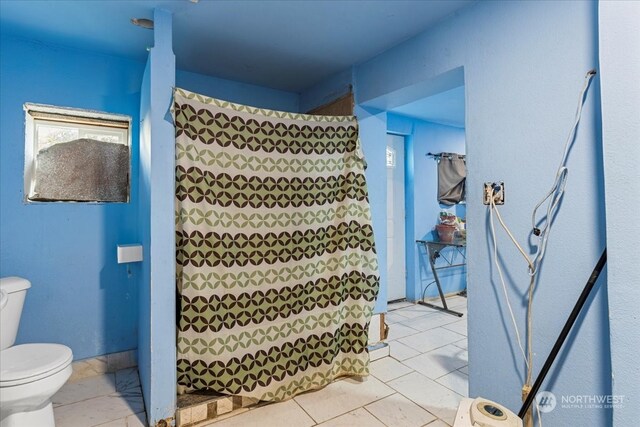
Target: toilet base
x,y
40,417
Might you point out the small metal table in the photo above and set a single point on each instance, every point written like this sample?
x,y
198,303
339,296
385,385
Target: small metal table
x,y
433,250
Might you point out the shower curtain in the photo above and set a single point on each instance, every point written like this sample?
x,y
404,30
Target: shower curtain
x,y
276,266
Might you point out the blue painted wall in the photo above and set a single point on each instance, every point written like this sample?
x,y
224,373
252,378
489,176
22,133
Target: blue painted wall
x,y
619,70
241,93
158,290
80,296
422,207
373,137
144,233
522,76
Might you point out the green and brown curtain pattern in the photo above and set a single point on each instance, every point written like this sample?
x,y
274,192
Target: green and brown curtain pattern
x,y
277,272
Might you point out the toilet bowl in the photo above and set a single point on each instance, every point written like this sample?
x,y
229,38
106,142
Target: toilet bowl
x,y
30,374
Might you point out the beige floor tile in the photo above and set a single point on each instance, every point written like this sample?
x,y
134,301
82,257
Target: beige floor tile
x,y
122,422
121,360
398,305
379,353
97,410
431,339
401,351
437,423
430,321
88,368
388,368
457,301
398,330
135,420
85,388
416,310
398,411
341,397
464,370
456,381
280,414
434,397
127,379
439,362
460,327
358,418
393,317
462,344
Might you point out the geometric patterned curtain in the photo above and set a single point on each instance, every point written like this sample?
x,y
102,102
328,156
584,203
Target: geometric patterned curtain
x,y
277,272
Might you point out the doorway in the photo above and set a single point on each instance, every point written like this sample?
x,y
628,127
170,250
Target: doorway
x,y
396,260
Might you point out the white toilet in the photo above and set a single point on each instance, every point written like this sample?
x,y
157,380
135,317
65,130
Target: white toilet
x,y
30,374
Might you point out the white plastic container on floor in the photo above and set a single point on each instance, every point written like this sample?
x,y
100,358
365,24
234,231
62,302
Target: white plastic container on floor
x,y
483,412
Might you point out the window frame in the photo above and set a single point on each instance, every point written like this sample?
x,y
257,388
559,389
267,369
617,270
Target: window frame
x,y
72,116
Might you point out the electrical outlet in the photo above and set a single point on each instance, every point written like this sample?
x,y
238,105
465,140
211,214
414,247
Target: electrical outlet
x,y
498,196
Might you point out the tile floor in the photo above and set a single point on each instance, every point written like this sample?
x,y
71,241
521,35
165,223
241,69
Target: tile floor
x,y
420,384
108,400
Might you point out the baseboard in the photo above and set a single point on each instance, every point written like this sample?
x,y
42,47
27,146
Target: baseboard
x,y
103,364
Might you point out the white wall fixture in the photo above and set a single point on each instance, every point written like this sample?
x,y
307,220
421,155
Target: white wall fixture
x,y
129,253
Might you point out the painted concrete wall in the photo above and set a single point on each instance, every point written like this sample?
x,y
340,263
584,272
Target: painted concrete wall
x,y
524,64
144,236
619,71
421,200
157,292
423,209
431,137
241,93
373,137
80,296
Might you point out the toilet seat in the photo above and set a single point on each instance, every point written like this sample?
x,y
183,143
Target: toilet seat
x,y
26,363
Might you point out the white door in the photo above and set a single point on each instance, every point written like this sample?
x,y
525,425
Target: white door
x,y
396,273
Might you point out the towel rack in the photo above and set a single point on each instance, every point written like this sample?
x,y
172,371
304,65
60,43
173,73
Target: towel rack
x,y
438,156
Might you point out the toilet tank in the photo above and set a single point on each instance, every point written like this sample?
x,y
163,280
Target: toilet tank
x,y
15,290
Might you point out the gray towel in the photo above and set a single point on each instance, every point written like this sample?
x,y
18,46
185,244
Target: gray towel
x,y
452,175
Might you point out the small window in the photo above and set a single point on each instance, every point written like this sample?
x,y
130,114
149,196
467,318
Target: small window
x,y
76,155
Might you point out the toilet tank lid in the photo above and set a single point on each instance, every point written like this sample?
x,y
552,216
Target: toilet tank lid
x,y
14,284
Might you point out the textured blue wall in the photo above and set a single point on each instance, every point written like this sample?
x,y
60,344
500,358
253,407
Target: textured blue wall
x,y
431,137
80,296
373,137
241,93
619,70
522,74
421,201
144,233
158,289
86,300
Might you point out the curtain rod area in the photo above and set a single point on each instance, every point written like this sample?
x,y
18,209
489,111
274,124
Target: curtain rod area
x,y
438,156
